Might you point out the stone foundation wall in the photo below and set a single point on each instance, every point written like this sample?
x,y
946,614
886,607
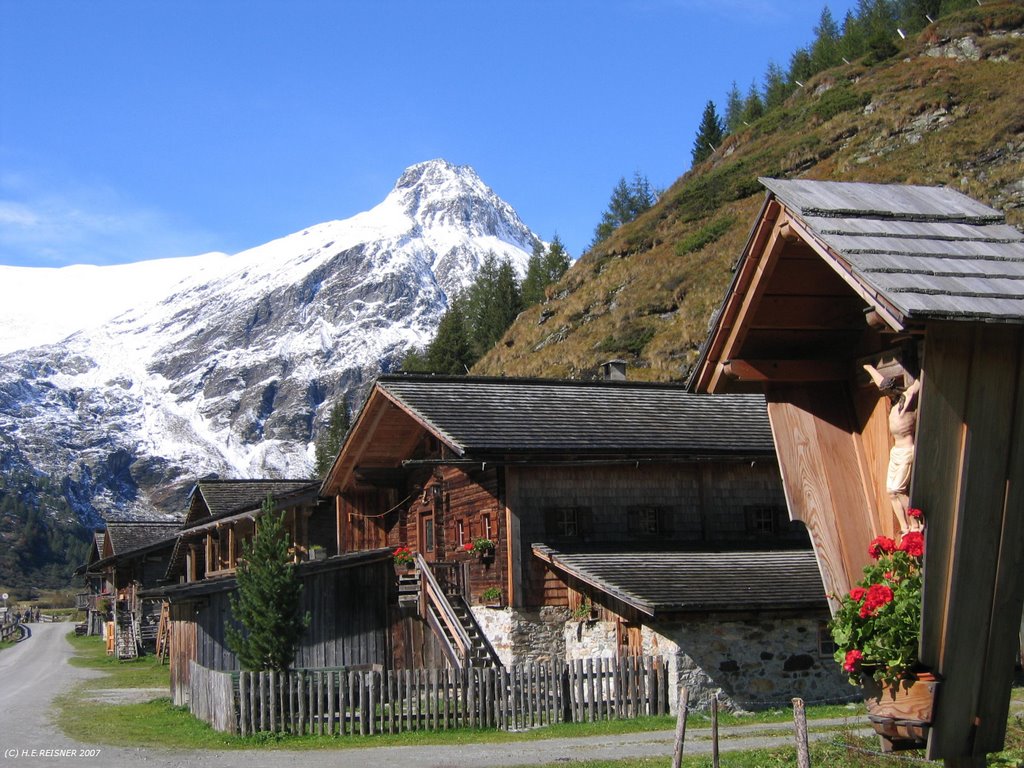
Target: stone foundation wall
x,y
746,665
523,635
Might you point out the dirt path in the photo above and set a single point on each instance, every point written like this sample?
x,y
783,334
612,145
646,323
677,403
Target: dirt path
x,y
35,671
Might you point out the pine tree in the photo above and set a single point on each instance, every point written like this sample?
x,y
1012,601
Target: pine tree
x,y
544,268
492,302
801,67
825,48
733,109
753,107
775,87
266,605
627,202
330,440
451,352
709,134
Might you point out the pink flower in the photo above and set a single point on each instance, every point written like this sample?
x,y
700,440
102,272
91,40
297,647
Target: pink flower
x,y
881,545
853,658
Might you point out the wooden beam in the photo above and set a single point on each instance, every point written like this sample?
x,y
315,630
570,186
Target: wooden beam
x,y
786,370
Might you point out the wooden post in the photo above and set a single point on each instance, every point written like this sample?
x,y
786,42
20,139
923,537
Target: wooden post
x,y
714,733
677,752
803,757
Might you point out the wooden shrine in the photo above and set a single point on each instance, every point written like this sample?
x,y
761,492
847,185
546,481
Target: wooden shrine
x,y
840,287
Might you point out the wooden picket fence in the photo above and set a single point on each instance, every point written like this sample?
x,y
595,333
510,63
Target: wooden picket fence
x,y
349,702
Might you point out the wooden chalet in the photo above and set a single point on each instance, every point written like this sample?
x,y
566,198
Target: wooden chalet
x,y
521,487
926,285
94,599
346,597
133,555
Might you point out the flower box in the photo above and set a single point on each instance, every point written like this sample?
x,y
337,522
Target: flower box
x,y
901,714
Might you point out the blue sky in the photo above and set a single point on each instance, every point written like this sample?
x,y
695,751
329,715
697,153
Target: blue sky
x,y
133,130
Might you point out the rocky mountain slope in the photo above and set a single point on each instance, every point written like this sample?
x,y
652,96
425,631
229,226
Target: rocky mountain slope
x,y
946,110
231,368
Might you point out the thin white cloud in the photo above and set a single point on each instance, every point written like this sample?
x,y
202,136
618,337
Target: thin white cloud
x,y
71,223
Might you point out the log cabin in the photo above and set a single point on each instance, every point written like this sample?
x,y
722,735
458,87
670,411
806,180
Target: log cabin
x,y
567,518
132,555
925,285
346,598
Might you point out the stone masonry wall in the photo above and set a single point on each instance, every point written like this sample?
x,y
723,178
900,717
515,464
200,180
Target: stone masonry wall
x,y
519,636
747,665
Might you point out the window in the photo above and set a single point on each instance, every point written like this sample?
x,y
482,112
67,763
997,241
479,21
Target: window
x,y
487,528
428,533
826,645
645,521
763,519
566,522
460,533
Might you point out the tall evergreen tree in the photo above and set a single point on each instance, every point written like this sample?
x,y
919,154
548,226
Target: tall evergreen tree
x,y
776,89
753,106
801,67
733,109
825,48
329,442
450,351
544,268
492,302
266,605
709,134
627,202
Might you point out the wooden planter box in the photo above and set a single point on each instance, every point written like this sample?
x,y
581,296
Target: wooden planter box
x,y
901,715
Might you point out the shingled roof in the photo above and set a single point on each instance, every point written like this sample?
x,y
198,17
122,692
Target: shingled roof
x,y
930,252
673,582
130,536
226,497
480,417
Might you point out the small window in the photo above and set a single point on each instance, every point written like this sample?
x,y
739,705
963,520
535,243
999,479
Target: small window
x,y
460,532
487,528
566,522
826,645
428,534
763,520
644,521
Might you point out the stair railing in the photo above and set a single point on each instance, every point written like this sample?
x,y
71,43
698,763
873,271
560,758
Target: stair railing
x,y
460,647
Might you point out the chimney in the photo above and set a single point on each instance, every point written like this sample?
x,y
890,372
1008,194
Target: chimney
x,y
614,370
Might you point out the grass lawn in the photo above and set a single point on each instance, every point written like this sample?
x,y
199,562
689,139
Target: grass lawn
x,y
159,724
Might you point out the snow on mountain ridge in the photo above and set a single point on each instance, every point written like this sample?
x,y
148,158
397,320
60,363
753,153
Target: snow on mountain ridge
x,y
231,371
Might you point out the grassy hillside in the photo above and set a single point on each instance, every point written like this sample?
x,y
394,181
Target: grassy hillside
x,y
946,110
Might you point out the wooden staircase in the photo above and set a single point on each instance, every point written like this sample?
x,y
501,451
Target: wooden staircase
x,y
443,606
126,635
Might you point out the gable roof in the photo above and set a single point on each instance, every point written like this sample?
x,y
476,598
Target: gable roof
x,y
494,419
130,536
480,417
929,252
221,498
671,582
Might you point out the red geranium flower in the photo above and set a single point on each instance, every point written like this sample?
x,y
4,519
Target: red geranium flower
x,y
914,512
913,544
881,545
467,547
852,660
878,595
857,593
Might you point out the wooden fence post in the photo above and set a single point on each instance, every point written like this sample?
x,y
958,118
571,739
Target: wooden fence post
x,y
677,752
714,733
803,757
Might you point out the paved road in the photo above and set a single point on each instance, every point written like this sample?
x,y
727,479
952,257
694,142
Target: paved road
x,y
37,670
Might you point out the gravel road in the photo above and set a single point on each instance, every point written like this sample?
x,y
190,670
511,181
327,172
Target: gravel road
x,y
36,670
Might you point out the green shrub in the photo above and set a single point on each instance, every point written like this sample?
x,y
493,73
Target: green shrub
x,y
837,100
706,235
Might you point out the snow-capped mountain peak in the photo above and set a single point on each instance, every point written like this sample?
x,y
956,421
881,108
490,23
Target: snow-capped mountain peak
x,y
231,366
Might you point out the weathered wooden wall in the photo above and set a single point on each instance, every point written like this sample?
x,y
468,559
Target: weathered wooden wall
x,y
182,649
696,503
969,481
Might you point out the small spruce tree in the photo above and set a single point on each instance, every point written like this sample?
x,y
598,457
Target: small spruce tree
x,y
329,442
266,606
709,134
